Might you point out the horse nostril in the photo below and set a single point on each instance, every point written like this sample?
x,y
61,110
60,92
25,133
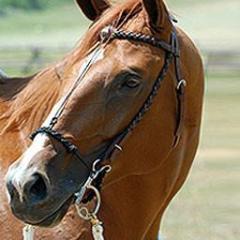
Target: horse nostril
x,y
38,188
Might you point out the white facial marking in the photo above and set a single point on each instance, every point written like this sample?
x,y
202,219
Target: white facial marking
x,y
53,112
92,58
17,174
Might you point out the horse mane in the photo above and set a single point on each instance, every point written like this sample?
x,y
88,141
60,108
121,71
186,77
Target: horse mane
x,y
32,104
28,107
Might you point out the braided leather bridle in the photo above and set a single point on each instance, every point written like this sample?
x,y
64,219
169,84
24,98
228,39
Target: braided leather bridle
x,y
172,52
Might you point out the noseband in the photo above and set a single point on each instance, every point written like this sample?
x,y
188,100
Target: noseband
x,y
97,173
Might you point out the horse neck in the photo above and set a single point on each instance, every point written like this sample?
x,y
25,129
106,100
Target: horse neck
x,y
135,205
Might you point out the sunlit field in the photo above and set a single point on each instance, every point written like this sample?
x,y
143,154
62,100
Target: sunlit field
x,y
208,206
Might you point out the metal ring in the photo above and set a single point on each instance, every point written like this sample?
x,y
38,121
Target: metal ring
x,y
182,82
98,199
83,212
108,168
96,171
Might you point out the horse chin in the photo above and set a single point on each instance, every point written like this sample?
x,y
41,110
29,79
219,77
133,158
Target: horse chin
x,y
54,218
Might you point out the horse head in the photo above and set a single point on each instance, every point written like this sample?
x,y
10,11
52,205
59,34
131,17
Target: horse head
x,y
102,93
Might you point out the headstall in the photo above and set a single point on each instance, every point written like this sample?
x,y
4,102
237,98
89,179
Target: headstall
x,y
98,170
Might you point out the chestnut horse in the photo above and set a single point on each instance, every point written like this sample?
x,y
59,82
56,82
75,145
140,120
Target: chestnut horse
x,y
89,105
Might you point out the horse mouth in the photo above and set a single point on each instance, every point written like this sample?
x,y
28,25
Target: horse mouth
x,y
55,217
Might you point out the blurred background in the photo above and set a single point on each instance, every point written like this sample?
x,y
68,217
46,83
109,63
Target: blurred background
x,y
34,33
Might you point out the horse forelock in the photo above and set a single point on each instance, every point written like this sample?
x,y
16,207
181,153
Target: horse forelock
x,y
116,16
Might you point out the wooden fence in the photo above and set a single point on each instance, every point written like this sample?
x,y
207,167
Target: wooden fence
x,y
26,60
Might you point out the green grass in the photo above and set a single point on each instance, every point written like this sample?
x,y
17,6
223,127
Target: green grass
x,y
60,26
213,24
208,206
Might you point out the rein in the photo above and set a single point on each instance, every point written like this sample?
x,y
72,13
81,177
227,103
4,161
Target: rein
x,y
98,170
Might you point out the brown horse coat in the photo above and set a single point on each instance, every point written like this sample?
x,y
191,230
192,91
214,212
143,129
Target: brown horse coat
x,y
149,172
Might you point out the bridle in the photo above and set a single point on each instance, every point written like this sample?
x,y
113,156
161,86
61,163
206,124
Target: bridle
x,y
98,170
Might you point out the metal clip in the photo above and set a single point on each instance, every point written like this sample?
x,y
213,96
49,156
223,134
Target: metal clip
x,y
97,171
83,212
88,184
181,83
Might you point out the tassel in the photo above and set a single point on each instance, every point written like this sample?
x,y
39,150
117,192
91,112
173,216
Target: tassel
x,y
28,232
97,229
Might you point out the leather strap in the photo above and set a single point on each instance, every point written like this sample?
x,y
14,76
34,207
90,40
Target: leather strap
x,y
180,90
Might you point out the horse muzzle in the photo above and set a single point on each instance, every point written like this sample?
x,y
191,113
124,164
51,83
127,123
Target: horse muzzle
x,y
41,191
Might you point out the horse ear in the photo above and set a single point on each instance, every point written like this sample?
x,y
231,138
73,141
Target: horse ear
x,y
93,8
157,13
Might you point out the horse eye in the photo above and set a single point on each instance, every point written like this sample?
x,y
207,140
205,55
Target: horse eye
x,y
131,83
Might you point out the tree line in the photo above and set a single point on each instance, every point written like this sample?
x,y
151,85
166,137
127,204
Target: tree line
x,y
27,4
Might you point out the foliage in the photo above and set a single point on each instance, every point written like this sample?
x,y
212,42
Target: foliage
x,y
27,4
